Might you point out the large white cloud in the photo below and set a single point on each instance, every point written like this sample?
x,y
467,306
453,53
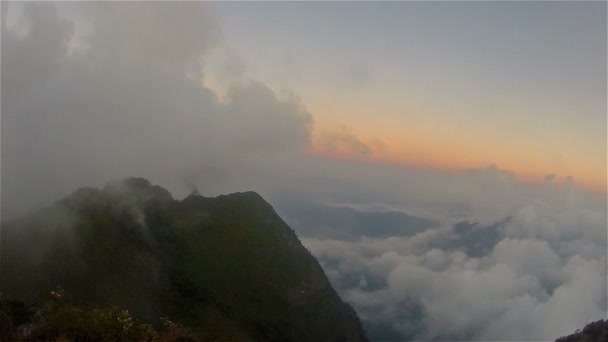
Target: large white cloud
x,y
129,101
544,277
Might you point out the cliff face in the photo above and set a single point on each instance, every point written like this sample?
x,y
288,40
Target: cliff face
x,y
227,267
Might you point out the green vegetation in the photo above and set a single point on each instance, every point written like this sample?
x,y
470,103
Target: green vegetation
x,y
228,267
59,320
593,332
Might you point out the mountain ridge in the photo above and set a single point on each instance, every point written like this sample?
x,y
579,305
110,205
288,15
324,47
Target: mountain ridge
x,y
226,266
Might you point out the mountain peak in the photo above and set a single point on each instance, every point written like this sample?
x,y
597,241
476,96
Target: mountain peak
x,y
228,267
139,187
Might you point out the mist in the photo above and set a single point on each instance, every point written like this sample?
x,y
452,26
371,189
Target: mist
x,y
128,99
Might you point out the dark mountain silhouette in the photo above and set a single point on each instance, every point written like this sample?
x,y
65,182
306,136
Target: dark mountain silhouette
x,y
593,332
227,268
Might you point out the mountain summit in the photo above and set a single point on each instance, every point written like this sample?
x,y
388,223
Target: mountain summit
x,y
227,267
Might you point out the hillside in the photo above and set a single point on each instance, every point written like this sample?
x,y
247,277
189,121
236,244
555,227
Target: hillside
x,y
227,267
593,332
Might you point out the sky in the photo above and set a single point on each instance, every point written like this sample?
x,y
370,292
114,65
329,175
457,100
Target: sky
x,y
443,84
453,112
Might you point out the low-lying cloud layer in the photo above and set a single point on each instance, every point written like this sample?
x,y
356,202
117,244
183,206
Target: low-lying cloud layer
x,y
537,275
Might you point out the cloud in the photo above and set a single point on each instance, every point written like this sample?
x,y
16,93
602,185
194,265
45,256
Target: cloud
x,y
145,35
223,67
129,103
112,111
344,139
378,144
544,277
26,62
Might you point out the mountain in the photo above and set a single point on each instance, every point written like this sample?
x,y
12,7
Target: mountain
x,y
345,223
593,332
226,267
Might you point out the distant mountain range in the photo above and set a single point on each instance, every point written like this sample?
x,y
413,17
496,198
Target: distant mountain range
x,y
346,223
228,268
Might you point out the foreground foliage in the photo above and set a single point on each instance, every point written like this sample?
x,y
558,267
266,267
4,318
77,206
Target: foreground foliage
x,y
593,332
60,320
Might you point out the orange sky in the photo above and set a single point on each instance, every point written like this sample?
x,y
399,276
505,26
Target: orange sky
x,y
435,89
426,147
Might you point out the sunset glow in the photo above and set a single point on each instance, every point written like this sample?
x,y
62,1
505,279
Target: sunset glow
x,y
453,98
